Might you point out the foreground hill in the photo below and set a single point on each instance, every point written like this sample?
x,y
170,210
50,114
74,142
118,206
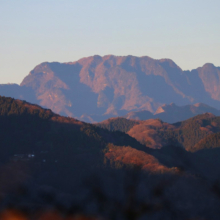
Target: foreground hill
x,y
192,145
96,88
66,142
58,147
196,133
65,167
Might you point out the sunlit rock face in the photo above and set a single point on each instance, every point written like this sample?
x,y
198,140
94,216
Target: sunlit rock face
x,y
115,85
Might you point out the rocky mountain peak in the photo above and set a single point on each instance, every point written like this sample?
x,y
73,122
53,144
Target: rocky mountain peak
x,y
115,85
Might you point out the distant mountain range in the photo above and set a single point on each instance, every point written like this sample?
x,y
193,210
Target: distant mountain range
x,y
96,88
172,113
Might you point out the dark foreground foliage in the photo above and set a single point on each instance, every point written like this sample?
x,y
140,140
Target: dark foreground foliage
x,y
121,194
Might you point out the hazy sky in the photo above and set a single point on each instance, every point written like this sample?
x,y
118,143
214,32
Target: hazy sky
x,y
35,31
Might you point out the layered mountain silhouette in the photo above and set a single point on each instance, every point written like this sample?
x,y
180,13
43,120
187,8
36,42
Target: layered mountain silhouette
x,y
191,134
96,88
50,143
43,154
172,113
62,143
41,149
199,135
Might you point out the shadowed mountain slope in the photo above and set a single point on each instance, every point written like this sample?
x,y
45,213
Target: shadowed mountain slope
x,y
172,113
61,143
56,149
192,145
44,157
96,88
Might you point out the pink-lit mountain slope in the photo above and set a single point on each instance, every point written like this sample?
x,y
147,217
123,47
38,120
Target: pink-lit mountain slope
x,y
100,87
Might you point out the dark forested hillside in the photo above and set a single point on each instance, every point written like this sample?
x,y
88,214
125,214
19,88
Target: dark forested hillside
x,y
53,144
193,134
118,124
50,163
189,133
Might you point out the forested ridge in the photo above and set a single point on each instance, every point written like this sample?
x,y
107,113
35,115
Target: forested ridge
x,y
47,153
193,134
31,130
118,124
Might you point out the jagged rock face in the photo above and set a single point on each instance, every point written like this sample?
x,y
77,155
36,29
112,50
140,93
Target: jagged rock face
x,y
114,86
210,76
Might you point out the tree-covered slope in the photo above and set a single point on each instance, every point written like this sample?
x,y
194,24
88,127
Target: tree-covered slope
x,y
193,134
57,149
43,155
117,124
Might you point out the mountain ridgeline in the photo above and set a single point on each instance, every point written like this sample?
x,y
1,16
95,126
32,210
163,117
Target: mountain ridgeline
x,y
60,145
49,162
28,129
96,88
172,113
194,134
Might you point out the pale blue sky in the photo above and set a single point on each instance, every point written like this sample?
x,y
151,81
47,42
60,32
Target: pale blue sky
x,y
35,31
